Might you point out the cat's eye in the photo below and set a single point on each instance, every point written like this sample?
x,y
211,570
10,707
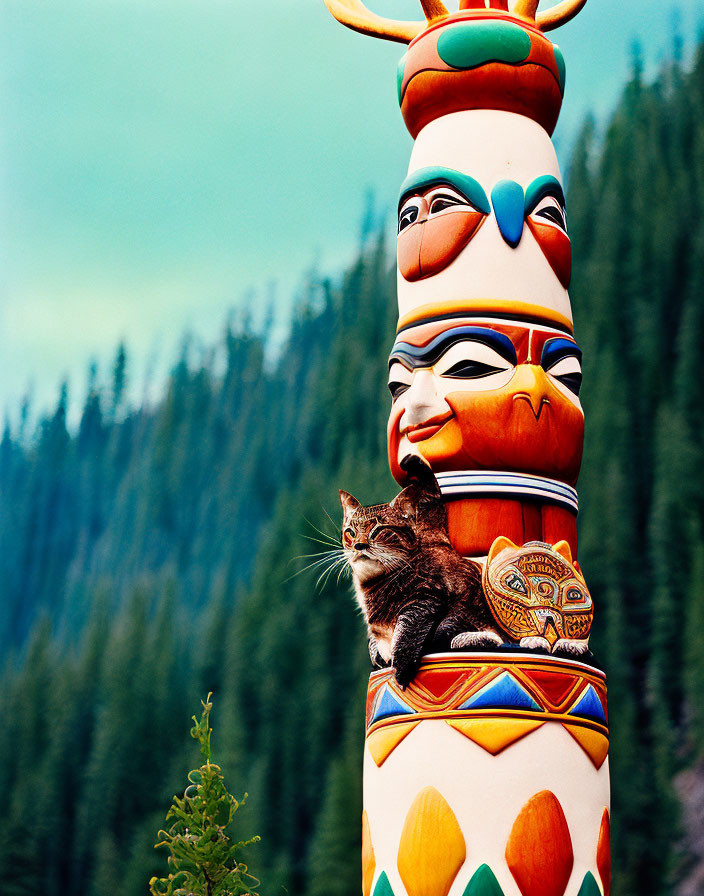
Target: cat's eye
x,y
478,365
550,211
348,535
384,534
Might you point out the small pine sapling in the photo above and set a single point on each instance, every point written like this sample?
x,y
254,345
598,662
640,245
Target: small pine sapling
x,y
204,860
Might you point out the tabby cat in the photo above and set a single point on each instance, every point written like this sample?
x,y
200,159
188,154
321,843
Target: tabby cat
x,y
416,592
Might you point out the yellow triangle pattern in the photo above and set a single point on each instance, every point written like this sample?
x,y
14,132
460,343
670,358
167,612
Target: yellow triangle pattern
x,y
594,744
383,742
494,735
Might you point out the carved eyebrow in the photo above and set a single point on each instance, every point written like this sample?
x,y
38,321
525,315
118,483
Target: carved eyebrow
x,y
556,349
547,185
419,181
425,356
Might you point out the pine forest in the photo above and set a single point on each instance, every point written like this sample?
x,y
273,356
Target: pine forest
x,y
153,554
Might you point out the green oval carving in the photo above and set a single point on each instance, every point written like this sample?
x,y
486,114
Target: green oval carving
x,y
399,75
475,43
560,62
483,883
589,886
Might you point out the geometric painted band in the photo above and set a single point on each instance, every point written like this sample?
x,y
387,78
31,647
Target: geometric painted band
x,y
466,483
466,685
492,699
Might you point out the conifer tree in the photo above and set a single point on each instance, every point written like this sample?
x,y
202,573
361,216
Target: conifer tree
x,y
204,860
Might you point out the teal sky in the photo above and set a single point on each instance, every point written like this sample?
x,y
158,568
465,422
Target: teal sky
x,y
165,161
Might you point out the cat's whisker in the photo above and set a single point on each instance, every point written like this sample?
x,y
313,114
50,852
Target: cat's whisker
x,y
330,541
337,552
320,531
329,558
334,524
346,571
326,574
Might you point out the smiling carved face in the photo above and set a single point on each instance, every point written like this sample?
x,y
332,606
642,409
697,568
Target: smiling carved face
x,y
469,395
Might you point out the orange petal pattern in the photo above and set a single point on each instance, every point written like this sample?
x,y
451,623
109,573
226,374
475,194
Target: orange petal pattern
x,y
603,852
432,848
539,851
368,860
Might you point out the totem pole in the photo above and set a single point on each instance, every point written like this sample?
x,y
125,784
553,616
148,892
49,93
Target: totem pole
x,y
488,774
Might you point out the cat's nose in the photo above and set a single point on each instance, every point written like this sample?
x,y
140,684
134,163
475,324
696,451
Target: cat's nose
x,y
360,547
423,401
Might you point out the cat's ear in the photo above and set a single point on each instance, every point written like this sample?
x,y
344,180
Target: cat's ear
x,y
422,498
406,501
349,503
419,472
563,549
499,544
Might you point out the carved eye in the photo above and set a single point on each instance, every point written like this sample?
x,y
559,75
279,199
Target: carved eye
x,y
399,380
574,594
409,212
444,198
441,202
469,370
569,372
515,582
470,360
562,361
396,389
550,211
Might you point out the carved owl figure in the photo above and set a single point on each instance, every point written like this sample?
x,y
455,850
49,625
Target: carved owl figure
x,y
538,595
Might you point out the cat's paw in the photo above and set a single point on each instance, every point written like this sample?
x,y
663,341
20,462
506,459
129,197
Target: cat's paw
x,y
535,643
476,639
568,647
378,661
404,675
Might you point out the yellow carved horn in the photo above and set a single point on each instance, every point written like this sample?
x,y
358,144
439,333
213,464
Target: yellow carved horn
x,y
551,18
558,15
355,15
434,9
526,9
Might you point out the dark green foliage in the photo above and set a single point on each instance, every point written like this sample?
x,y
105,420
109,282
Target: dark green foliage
x,y
148,557
204,860
638,296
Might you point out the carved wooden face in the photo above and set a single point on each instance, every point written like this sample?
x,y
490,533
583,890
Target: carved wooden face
x,y
537,590
473,395
440,211
482,224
